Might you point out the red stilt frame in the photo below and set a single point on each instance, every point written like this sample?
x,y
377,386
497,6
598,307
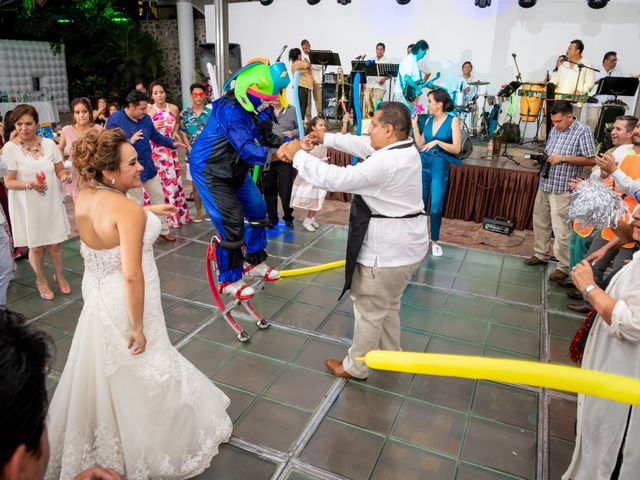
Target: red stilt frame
x,y
212,276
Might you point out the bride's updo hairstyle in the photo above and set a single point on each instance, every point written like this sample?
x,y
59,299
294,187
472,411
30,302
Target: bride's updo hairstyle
x,y
96,151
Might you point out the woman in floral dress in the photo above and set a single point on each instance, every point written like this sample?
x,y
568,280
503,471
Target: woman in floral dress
x,y
165,118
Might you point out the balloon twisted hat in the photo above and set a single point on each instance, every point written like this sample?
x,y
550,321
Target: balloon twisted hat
x,y
258,81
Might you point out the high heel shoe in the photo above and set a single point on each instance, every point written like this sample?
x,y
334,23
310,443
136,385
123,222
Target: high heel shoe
x,y
63,290
45,293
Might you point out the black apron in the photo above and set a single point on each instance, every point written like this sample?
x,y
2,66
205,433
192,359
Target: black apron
x,y
359,217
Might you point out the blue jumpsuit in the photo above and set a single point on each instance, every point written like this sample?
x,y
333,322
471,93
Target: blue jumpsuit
x,y
435,171
232,141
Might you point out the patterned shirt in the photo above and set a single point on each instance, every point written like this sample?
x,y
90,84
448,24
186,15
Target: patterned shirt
x,y
191,124
575,141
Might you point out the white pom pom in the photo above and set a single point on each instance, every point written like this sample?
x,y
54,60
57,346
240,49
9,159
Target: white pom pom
x,y
596,204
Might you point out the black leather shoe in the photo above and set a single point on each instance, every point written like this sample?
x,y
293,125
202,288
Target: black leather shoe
x,y
566,283
574,294
289,224
579,308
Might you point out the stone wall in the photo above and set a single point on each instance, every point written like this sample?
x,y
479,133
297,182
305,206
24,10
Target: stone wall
x,y
166,32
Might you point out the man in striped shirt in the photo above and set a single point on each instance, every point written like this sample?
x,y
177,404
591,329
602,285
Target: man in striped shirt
x,y
570,147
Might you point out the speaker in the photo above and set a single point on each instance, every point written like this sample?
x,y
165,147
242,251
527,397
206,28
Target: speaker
x,y
208,55
331,103
608,114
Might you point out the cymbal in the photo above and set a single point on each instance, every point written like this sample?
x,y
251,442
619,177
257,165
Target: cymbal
x,y
478,83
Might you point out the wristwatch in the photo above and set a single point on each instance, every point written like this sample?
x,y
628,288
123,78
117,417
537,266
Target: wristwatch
x,y
563,159
587,291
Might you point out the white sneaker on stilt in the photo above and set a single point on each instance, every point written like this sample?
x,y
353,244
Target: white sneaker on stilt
x,y
238,289
307,224
262,270
436,250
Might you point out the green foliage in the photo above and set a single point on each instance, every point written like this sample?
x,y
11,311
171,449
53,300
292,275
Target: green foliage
x,y
105,51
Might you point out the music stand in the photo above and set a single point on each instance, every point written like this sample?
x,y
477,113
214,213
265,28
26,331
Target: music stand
x,y
618,86
389,70
324,58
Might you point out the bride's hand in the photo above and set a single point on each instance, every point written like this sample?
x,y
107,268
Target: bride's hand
x,y
137,342
164,209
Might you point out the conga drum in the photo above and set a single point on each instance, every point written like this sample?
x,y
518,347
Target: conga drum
x,y
531,96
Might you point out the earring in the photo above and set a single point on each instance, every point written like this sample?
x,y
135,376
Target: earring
x,y
113,181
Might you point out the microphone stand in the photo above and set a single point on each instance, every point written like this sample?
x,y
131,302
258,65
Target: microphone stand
x,y
281,52
580,67
519,75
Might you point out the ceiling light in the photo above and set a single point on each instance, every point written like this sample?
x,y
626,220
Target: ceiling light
x,y
313,2
266,2
483,3
344,2
527,3
597,4
403,2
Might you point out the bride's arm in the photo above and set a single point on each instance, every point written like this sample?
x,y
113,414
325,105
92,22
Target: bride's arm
x,y
130,224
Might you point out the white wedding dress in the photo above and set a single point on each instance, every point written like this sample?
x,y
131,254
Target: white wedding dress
x,y
150,416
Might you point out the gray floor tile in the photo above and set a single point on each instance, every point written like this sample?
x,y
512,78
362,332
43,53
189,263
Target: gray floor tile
x,y
424,296
517,293
506,404
562,419
275,343
184,318
338,324
298,475
476,285
65,318
450,392
396,382
366,407
515,339
462,328
301,315
286,288
271,424
207,356
300,387
319,296
498,446
240,401
232,463
405,462
315,255
431,427
248,372
560,452
419,318
181,286
466,305
316,351
516,316
484,258
32,305
473,472
434,278
61,352
331,278
343,449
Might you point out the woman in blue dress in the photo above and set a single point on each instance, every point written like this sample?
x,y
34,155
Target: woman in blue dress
x,y
439,143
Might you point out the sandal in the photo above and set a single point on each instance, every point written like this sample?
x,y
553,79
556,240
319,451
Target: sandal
x,y
64,290
45,291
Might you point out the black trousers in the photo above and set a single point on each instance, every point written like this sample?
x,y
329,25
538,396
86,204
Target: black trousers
x,y
278,181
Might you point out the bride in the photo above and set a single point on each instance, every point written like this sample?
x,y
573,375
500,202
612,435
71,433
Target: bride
x,y
127,399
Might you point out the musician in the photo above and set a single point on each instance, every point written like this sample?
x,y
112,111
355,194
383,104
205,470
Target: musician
x,y
464,94
570,79
316,77
609,69
409,73
376,86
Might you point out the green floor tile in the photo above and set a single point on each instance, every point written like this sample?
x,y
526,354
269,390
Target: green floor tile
x,y
517,293
514,339
516,316
465,305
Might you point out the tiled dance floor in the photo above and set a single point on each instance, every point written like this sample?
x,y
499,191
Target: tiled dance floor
x,y
295,421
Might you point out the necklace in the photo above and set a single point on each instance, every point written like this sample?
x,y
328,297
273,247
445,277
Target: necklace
x,y
104,187
35,149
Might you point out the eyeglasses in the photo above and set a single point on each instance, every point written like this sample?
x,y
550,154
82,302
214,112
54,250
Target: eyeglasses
x,y
194,94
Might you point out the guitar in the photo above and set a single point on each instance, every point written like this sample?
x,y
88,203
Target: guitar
x,y
410,93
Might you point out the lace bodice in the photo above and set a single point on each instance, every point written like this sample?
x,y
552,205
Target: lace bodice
x,y
102,263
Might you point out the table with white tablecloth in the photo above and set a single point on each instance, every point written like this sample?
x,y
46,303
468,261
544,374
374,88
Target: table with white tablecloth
x,y
47,110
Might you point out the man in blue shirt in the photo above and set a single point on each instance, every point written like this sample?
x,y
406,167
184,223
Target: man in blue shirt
x,y
139,129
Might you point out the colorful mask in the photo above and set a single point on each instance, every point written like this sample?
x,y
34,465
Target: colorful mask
x,y
260,81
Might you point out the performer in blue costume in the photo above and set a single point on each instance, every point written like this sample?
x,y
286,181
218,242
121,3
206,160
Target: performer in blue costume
x,y
237,137
439,143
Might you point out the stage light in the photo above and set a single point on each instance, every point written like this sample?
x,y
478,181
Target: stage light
x,y
344,2
597,4
527,3
266,2
483,3
403,2
313,2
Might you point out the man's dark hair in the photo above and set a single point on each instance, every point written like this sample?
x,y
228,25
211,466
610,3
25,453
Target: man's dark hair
x,y
24,353
630,120
304,42
410,46
608,55
197,85
579,45
467,63
380,44
136,96
396,115
561,106
419,45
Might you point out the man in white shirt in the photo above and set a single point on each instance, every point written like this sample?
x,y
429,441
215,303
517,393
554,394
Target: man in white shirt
x,y
409,72
609,69
376,86
572,80
316,74
464,95
388,236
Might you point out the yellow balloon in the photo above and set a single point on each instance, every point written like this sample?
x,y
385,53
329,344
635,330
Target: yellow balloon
x,y
315,268
559,377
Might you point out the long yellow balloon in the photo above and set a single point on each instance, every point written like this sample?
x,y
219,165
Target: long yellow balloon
x,y
559,377
315,268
